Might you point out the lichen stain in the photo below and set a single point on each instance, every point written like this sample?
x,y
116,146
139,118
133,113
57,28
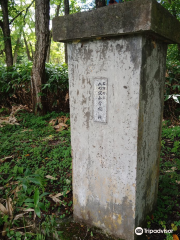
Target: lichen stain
x,y
119,48
140,130
133,47
117,219
87,114
86,53
83,80
75,119
89,82
157,75
103,50
83,99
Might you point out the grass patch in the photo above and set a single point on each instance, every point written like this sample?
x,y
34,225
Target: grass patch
x,y
28,153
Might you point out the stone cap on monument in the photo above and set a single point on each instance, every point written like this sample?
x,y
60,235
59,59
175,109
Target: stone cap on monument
x,y
134,17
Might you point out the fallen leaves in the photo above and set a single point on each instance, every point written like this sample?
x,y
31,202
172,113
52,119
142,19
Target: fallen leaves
x,y
9,207
6,158
50,177
59,123
4,120
175,237
8,210
3,210
67,97
172,169
60,127
27,130
56,199
18,216
12,119
17,228
50,137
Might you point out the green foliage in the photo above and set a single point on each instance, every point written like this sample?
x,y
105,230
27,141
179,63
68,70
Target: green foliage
x,y
173,56
168,204
172,6
57,76
172,85
30,145
172,88
170,132
14,235
29,178
169,236
13,79
50,227
35,204
34,157
15,83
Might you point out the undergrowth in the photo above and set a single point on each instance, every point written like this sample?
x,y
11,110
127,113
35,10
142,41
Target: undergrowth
x,y
167,212
15,85
38,158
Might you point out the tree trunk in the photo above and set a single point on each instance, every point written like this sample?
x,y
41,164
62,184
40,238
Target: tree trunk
x,y
6,33
49,47
16,49
57,10
27,48
66,7
66,54
66,12
38,71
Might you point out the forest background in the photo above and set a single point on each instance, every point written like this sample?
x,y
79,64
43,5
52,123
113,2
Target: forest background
x,y
26,46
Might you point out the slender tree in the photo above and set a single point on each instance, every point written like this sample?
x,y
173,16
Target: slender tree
x,y
30,58
5,26
18,43
6,33
42,16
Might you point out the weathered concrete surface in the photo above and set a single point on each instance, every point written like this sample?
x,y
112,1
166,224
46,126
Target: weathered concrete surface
x,y
115,164
151,102
119,19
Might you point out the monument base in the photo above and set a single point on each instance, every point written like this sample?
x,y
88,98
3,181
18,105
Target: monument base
x,y
116,157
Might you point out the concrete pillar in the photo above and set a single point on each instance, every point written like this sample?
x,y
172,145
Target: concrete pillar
x,y
117,59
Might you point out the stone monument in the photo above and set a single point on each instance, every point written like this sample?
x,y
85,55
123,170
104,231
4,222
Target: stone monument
x,y
117,61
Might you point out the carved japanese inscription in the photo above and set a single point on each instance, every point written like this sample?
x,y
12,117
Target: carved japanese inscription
x,y
100,100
